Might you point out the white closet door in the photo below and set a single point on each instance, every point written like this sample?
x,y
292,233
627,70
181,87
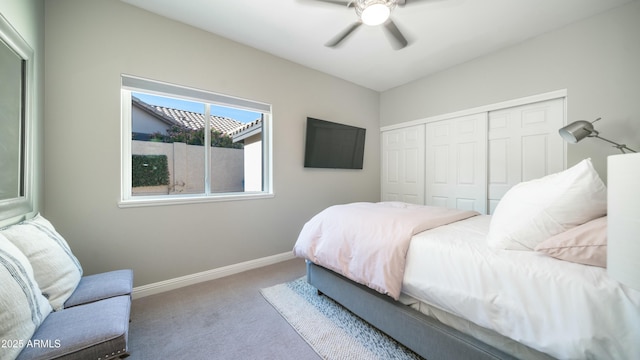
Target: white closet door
x,y
403,165
523,145
456,157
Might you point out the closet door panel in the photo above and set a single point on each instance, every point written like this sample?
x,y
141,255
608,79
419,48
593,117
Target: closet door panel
x,y
438,174
456,163
534,157
403,165
523,145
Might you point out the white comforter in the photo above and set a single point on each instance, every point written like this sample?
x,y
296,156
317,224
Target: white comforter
x,y
368,242
567,310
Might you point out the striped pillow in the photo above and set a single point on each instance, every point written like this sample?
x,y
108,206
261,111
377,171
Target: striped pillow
x,y
23,306
56,269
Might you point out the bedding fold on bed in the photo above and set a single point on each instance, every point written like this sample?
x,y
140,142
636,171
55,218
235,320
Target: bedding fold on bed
x,y
368,242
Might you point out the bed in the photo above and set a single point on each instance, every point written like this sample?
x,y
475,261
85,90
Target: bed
x,y
482,286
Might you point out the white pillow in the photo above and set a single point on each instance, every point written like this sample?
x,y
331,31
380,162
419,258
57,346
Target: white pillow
x,y
533,211
22,306
56,269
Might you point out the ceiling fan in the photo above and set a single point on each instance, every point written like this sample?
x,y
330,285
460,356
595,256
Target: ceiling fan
x,y
372,13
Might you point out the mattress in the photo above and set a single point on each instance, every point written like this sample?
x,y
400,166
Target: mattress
x,y
558,308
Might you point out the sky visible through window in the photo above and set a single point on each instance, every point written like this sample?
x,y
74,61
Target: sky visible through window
x,y
240,115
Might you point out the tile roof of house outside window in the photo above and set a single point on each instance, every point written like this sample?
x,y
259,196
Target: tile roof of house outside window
x,y
193,120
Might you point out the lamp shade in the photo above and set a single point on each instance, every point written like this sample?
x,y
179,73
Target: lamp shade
x,y
576,131
623,217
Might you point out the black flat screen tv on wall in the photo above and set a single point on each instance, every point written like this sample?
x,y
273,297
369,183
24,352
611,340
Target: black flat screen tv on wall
x,y
332,145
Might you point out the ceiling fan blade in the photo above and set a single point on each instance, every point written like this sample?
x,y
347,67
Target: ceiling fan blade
x,y
341,36
404,2
399,40
346,3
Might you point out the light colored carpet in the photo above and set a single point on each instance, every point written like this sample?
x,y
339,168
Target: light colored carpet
x,y
331,330
222,319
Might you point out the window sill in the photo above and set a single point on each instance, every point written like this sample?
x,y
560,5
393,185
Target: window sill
x,y
143,201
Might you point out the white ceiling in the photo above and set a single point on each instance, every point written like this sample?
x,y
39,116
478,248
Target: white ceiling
x,y
441,33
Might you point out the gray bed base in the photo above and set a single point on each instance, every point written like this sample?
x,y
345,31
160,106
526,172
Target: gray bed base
x,y
426,336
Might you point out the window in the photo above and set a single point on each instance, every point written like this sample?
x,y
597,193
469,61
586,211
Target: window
x,y
182,145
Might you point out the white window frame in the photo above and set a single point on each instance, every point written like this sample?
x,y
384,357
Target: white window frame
x,y
14,209
131,84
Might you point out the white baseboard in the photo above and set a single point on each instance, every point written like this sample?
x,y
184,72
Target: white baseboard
x,y
175,283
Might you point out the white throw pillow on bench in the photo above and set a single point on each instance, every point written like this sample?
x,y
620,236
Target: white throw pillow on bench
x,y
56,269
23,308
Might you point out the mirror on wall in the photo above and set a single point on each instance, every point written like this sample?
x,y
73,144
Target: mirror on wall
x,y
15,121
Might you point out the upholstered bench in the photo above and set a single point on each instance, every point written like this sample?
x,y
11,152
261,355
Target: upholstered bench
x,y
55,312
101,286
97,330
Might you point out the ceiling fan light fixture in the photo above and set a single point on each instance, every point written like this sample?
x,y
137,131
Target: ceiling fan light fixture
x,y
375,14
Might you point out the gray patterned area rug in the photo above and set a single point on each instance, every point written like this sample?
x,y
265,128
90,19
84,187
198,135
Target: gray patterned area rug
x,y
330,329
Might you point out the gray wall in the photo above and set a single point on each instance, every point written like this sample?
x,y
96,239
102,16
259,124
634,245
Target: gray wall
x,y
88,45
597,60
